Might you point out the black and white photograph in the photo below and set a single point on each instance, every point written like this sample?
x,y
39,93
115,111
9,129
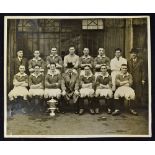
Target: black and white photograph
x,y
77,76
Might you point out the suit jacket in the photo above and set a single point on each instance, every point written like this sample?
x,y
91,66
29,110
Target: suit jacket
x,y
17,63
137,70
70,84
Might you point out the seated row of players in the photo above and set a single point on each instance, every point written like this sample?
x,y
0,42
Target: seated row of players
x,y
71,86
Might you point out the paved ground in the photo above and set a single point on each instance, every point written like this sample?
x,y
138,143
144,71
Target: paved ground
x,y
72,124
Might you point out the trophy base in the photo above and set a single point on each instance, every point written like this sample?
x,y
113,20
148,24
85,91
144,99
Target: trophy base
x,y
52,112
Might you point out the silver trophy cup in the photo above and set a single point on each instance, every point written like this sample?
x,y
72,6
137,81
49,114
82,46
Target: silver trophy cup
x,y
52,106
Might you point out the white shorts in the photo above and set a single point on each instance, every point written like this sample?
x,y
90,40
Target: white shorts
x,y
89,92
104,92
125,91
18,91
35,92
52,93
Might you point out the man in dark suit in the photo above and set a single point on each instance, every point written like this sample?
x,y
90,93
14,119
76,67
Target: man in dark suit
x,y
137,70
19,60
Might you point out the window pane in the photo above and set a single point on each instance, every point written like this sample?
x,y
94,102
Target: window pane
x,y
92,24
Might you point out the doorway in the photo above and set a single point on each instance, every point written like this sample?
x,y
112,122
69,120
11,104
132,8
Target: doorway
x,y
93,40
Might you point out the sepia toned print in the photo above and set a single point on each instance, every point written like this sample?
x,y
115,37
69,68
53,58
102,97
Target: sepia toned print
x,y
79,76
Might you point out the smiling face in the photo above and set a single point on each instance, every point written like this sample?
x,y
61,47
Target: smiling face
x,y
124,69
21,69
36,54
103,69
20,54
37,69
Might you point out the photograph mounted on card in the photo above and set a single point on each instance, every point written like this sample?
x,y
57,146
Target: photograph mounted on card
x,y
77,76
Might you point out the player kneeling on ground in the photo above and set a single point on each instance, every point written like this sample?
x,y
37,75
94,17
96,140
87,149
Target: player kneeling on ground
x,y
124,90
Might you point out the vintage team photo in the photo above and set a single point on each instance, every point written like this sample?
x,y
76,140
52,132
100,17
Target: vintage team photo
x,y
78,76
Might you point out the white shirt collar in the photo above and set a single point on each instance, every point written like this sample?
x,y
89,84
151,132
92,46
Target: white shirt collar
x,y
19,74
53,55
68,72
103,56
36,75
88,76
134,59
39,58
106,75
124,75
50,73
86,57
20,58
119,57
72,55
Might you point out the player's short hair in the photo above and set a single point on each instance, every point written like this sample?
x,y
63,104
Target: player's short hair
x,y
102,48
103,65
85,48
37,66
118,49
21,66
124,65
52,63
71,46
53,47
36,51
19,50
87,66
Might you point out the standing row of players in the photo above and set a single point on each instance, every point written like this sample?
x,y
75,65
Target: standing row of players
x,y
80,78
